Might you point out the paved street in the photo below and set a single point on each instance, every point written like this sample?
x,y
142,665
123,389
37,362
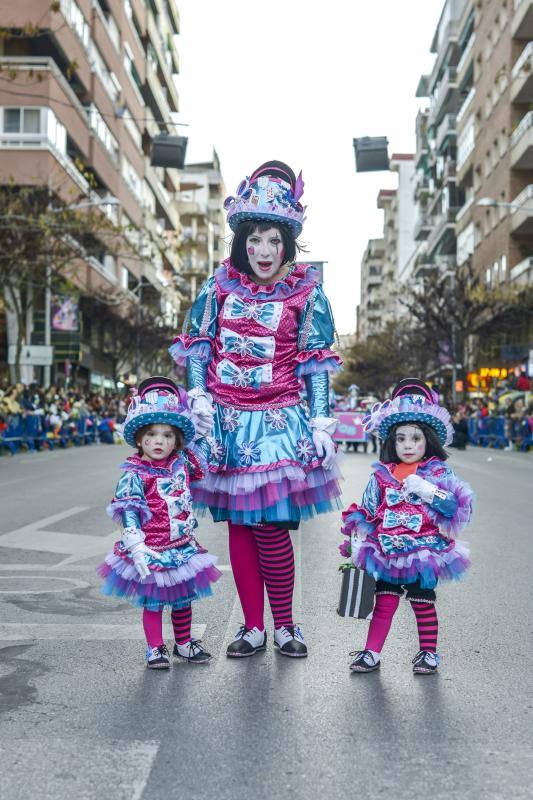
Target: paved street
x,y
81,717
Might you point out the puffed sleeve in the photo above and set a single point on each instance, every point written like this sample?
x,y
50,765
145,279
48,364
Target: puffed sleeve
x,y
357,520
196,339
315,337
129,507
453,502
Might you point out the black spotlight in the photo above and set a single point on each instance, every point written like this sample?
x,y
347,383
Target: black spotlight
x,y
371,153
168,151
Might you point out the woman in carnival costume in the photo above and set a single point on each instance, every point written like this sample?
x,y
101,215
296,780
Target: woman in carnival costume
x,y
158,562
258,326
404,531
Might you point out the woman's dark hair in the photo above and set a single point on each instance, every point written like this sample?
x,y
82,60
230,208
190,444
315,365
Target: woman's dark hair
x,y
178,433
434,449
238,254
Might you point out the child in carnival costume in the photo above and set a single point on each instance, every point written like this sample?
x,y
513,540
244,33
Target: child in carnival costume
x,y
404,531
258,326
158,562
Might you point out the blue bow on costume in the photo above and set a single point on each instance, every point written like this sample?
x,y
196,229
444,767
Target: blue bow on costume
x,y
402,519
266,314
257,346
395,496
403,543
230,373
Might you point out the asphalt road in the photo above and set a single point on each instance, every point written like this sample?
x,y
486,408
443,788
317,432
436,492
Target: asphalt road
x,y
80,716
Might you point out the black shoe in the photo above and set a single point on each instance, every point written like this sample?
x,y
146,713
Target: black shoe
x,y
192,652
289,641
364,661
157,657
425,663
247,642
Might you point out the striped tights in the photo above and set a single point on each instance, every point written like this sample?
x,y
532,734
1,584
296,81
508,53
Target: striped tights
x,y
384,610
181,623
263,557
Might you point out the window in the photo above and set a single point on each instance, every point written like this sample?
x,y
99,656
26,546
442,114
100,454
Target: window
x,y
132,179
39,125
132,127
75,19
111,84
103,133
488,277
503,269
503,142
131,69
22,120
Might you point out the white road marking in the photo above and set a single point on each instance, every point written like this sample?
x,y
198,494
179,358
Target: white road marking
x,y
72,583
83,631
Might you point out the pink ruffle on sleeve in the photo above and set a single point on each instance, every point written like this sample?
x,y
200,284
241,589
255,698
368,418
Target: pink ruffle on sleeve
x,y
312,361
184,347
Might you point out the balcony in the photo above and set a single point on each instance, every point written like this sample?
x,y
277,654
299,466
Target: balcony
x,y
464,61
446,129
466,142
422,228
522,274
442,238
445,97
461,217
466,106
522,144
522,76
522,24
521,221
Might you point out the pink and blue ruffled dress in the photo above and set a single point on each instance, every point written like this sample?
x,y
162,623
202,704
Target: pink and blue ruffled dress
x,y
155,497
250,346
398,538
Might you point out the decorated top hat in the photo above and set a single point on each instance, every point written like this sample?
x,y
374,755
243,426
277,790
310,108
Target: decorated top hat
x,y
270,194
159,401
412,401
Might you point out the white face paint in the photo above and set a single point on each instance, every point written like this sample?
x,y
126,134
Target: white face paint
x,y
158,442
410,444
265,254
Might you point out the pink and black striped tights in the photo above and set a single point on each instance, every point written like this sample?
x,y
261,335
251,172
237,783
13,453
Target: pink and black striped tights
x,y
263,557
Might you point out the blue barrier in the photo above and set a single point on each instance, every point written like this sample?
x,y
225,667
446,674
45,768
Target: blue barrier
x,y
499,432
33,432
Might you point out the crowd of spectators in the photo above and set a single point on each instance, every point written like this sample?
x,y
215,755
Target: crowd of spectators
x,y
32,415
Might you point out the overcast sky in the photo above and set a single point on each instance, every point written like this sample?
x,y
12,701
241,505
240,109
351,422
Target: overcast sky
x,y
296,80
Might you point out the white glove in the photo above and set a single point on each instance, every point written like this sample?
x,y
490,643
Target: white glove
x,y
203,412
139,552
133,540
414,484
324,447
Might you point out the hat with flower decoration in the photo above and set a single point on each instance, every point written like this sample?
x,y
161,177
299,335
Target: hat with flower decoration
x,y
159,401
270,194
411,401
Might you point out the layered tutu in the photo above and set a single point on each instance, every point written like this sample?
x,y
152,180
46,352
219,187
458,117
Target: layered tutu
x,y
263,467
425,564
183,574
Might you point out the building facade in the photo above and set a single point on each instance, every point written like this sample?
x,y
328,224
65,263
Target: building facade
x,y
475,143
84,93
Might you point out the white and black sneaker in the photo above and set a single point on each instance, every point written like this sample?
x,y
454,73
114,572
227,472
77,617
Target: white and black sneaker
x,y
157,657
289,641
364,661
192,652
425,663
247,642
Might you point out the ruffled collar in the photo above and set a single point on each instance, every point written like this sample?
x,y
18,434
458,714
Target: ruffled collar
x,y
299,277
388,469
163,468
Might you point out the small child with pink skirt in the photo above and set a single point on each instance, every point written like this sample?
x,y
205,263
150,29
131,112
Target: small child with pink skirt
x,y
404,531
158,562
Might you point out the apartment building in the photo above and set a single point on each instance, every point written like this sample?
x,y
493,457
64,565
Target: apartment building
x,y
86,90
386,263
201,208
371,308
475,143
438,199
